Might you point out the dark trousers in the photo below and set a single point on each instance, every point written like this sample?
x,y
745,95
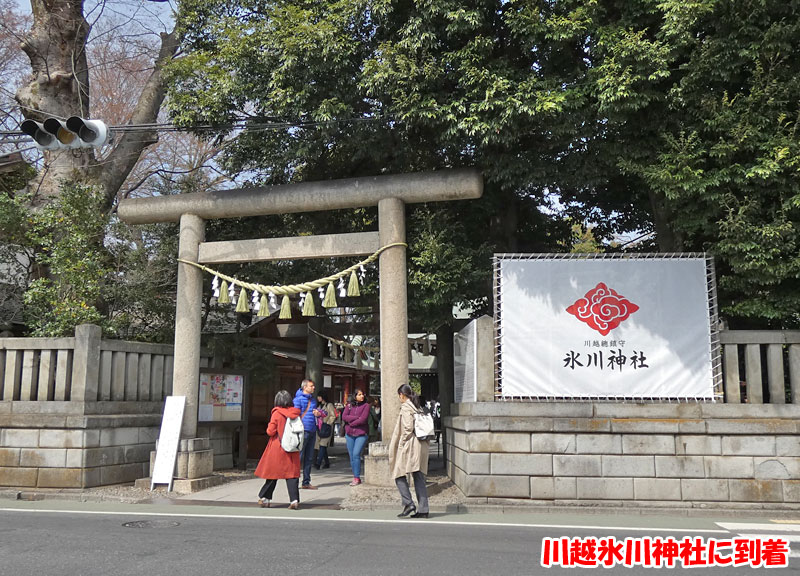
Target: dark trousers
x,y
323,456
419,487
292,486
307,455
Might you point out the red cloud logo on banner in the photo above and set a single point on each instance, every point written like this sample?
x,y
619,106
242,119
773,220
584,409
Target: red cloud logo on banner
x,y
602,308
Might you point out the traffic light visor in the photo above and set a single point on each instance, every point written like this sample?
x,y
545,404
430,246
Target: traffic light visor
x,y
36,131
94,132
58,129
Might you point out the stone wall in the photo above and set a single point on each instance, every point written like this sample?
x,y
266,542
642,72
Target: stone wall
x,y
82,412
220,441
598,453
74,450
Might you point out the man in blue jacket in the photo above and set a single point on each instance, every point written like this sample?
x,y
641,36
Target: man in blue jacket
x,y
306,401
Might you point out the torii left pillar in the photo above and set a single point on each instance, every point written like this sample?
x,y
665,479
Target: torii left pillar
x,y
195,457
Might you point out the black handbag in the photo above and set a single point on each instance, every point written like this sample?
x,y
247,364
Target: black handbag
x,y
325,430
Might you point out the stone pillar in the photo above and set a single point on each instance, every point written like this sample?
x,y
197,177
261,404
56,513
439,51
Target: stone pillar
x,y
188,314
484,332
394,334
394,310
86,363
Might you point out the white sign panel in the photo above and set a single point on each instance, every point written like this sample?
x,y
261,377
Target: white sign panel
x,y
605,327
168,441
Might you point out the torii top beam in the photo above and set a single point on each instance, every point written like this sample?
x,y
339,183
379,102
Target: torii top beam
x,y
442,185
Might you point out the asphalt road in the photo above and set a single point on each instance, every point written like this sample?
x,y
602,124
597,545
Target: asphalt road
x,y
82,539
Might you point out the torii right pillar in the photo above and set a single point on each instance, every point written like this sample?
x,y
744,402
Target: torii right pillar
x,y
394,334
394,310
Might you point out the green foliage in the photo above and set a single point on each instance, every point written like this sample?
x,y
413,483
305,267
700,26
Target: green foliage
x,y
69,234
13,181
696,139
87,267
139,294
449,264
668,116
386,88
584,241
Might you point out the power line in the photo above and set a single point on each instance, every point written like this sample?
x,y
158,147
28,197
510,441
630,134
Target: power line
x,y
240,125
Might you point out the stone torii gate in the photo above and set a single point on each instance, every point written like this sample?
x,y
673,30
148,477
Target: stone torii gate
x,y
388,193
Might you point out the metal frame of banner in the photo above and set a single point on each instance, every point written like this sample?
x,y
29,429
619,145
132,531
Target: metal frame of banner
x,y
713,312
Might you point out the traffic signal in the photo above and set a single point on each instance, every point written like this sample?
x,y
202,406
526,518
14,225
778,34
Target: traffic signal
x,y
76,132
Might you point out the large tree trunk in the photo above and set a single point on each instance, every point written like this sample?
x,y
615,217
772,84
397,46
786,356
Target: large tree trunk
x,y
59,87
667,238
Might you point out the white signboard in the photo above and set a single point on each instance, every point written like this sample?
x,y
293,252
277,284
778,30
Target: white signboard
x,y
604,328
168,441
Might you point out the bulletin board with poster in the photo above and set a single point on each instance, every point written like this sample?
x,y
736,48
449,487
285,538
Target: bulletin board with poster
x,y
221,397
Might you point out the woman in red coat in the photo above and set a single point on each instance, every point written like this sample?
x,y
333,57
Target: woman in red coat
x,y
276,462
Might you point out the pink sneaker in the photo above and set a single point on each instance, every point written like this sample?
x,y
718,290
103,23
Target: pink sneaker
x,y
355,482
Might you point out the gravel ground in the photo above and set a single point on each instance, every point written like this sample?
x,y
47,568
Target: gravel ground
x,y
129,493
441,492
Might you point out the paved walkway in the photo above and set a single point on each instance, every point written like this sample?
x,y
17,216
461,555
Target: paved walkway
x,y
333,487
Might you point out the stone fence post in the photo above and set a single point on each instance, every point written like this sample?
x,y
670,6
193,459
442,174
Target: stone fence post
x,y
86,363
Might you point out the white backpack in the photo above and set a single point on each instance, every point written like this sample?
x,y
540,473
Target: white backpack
x,y
292,439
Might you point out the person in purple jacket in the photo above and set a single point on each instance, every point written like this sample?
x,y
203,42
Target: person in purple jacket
x,y
356,429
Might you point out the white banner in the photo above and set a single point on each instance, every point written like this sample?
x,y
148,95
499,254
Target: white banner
x,y
604,327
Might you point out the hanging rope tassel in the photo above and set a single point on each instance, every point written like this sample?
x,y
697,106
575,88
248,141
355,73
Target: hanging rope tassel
x,y
330,297
241,305
352,288
263,306
308,305
224,297
286,309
